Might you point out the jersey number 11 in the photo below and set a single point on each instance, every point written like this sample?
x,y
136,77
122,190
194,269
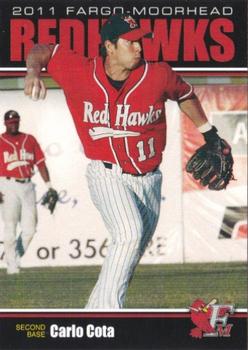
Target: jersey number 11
x,y
140,146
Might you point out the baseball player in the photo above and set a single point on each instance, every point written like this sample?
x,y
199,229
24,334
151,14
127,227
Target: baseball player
x,y
117,102
19,152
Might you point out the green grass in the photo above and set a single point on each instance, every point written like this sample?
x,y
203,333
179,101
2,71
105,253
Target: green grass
x,y
153,286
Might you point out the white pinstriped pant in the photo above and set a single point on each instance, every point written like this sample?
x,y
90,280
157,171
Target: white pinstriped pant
x,y
129,206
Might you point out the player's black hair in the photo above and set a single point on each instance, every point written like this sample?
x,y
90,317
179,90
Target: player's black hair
x,y
12,113
103,48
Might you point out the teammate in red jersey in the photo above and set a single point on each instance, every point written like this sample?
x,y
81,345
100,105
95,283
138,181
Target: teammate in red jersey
x,y
117,103
19,153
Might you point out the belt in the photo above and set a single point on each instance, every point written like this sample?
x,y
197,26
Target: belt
x,y
110,166
22,181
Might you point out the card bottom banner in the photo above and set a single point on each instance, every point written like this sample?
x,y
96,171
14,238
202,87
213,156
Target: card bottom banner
x,y
22,331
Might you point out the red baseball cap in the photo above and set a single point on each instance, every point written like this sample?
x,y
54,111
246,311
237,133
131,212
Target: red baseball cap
x,y
123,26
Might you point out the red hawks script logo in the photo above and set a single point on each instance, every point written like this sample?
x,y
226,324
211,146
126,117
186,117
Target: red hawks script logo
x,y
210,319
131,21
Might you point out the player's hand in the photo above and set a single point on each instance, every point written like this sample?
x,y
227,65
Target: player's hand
x,y
1,197
50,199
34,87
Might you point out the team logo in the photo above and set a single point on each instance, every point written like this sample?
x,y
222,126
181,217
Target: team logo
x,y
211,319
124,117
15,160
131,21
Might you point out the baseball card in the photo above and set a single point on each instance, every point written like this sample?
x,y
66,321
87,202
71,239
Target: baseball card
x,y
123,174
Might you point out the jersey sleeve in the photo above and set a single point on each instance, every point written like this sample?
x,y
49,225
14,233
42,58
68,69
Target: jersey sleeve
x,y
66,67
176,88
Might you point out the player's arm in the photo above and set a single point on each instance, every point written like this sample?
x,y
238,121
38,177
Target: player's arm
x,y
193,109
51,197
179,90
212,163
38,58
44,173
40,162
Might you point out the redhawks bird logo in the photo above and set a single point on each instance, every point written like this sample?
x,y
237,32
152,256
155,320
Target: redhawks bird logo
x,y
131,21
210,319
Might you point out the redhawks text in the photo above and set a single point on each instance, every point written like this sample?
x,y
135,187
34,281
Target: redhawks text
x,y
123,117
24,155
201,40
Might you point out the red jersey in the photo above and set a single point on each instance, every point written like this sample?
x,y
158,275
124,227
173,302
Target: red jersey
x,y
18,155
126,126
